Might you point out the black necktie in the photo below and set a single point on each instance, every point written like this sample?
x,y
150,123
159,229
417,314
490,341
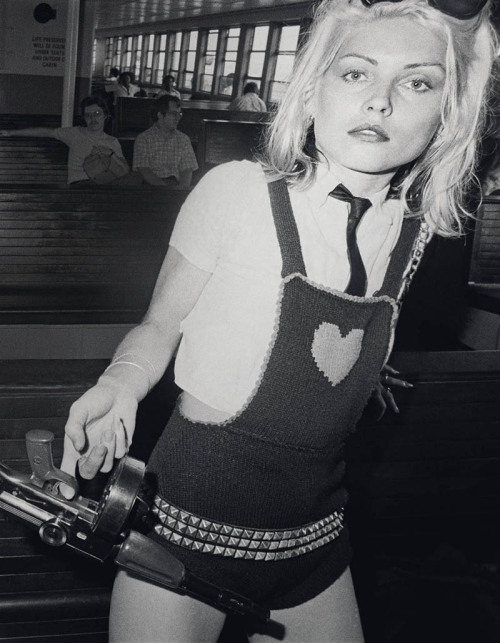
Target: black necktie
x,y
358,206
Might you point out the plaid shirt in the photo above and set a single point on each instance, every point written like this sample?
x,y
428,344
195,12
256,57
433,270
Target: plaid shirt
x,y
165,155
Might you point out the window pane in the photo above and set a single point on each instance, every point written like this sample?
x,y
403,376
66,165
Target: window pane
x,y
284,66
188,80
278,91
193,39
163,41
212,41
233,40
229,67
149,59
175,60
206,82
260,38
289,38
256,64
190,61
178,40
161,61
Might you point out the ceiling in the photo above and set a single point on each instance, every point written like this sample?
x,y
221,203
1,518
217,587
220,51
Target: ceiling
x,y
113,14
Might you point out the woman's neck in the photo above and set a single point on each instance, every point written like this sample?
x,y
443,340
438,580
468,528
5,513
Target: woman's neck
x,y
361,184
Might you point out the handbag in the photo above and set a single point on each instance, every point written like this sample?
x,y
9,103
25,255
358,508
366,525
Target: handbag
x,y
103,168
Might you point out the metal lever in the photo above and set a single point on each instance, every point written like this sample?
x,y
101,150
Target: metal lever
x,y
39,449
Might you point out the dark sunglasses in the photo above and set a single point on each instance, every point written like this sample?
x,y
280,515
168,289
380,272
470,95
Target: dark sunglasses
x,y
462,9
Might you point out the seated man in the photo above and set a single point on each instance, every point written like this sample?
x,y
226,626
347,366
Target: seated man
x,y
162,154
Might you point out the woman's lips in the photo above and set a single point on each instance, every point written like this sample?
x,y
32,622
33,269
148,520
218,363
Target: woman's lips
x,y
370,133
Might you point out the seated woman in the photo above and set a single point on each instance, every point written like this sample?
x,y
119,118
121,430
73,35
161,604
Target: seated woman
x,y
83,141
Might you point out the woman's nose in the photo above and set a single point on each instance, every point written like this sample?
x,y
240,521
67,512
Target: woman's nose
x,y
379,100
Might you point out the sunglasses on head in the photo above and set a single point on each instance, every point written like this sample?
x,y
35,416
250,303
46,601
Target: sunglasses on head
x,y
462,9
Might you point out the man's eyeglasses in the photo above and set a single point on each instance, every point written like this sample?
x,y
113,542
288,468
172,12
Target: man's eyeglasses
x,y
90,114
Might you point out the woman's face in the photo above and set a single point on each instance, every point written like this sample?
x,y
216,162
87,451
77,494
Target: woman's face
x,y
378,105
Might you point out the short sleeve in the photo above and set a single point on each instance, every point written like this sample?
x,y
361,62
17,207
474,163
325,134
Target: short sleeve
x,y
211,214
140,153
188,159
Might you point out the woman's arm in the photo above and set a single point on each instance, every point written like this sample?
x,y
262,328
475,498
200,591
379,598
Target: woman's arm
x,y
105,415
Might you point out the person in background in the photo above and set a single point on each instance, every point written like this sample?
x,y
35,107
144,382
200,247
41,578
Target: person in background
x,y
226,84
279,295
81,141
123,87
114,72
250,101
162,154
168,87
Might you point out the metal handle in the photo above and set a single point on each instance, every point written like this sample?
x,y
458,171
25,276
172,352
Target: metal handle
x,y
39,449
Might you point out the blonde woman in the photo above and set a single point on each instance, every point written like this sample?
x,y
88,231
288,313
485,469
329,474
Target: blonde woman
x,y
282,309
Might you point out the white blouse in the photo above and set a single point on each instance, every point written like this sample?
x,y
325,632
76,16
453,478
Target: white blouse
x,y
226,227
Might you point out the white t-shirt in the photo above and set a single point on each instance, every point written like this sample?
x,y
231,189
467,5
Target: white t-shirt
x,y
226,227
81,142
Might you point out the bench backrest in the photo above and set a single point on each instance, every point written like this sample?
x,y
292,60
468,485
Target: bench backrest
x,y
222,140
485,266
133,115
87,255
33,160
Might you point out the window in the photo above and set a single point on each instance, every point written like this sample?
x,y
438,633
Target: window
x,y
148,52
187,73
257,54
137,56
176,55
127,53
116,60
229,61
209,58
285,58
159,59
108,55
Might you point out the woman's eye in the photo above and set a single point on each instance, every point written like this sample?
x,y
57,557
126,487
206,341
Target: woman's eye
x,y
418,85
352,76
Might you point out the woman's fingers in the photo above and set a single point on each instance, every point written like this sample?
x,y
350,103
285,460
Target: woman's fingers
x,y
92,462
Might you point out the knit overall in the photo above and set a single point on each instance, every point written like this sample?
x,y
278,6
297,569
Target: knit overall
x,y
278,463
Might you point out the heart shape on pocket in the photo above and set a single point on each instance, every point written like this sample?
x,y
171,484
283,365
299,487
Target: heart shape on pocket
x,y
336,355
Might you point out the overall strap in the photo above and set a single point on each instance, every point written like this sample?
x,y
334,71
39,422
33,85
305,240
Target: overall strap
x,y
409,247
286,229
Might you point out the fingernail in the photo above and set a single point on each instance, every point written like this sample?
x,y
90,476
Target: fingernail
x,y
108,436
100,450
408,385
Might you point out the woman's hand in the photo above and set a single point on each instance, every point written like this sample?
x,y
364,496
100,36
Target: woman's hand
x,y
382,393
99,429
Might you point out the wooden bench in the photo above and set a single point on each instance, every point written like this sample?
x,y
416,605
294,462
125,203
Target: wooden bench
x,y
134,115
82,255
486,250
33,160
221,141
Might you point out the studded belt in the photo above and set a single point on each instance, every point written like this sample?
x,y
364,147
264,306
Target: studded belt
x,y
188,530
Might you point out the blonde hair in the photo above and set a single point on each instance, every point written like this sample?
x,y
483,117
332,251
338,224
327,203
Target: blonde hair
x,y
434,186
